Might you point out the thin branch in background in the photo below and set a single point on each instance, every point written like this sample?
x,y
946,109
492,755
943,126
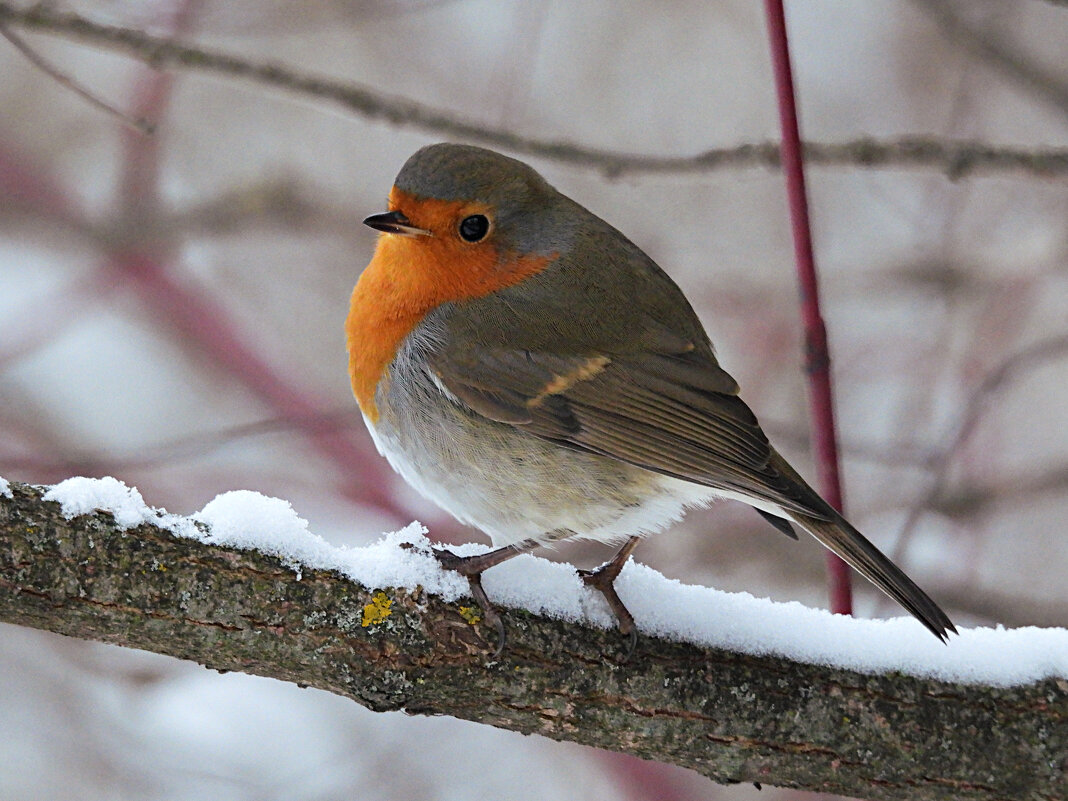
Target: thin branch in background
x,y
955,159
817,351
969,501
31,327
27,188
287,202
892,453
184,449
138,124
1039,81
1020,363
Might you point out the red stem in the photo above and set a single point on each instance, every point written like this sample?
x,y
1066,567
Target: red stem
x,y
817,353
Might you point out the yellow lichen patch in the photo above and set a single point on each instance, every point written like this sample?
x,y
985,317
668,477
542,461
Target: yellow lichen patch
x,y
471,614
377,611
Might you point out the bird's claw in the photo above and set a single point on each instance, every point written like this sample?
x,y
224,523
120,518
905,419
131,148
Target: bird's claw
x,y
603,580
469,567
448,560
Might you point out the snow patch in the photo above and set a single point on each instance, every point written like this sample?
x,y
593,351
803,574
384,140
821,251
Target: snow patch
x,y
661,606
248,520
5,488
82,496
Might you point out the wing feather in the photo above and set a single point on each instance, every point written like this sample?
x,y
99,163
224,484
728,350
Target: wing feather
x,y
675,416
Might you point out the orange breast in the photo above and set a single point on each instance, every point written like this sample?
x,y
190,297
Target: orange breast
x,y
410,276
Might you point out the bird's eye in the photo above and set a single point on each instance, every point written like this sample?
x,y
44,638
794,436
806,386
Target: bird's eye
x,y
474,228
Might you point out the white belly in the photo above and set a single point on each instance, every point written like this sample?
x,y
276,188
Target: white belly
x,y
513,485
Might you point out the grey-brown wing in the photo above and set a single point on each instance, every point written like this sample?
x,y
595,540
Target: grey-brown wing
x,y
673,413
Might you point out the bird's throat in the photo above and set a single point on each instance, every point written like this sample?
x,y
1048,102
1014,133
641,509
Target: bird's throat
x,y
407,278
383,311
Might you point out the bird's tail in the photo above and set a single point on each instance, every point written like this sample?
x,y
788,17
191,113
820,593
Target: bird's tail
x,y
838,535
855,549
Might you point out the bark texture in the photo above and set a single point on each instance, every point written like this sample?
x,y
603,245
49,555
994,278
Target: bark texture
x,y
733,717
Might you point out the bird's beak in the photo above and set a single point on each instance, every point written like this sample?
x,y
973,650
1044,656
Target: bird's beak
x,y
394,222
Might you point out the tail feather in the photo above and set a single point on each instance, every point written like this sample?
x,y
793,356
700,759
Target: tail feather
x,y
855,549
781,523
838,535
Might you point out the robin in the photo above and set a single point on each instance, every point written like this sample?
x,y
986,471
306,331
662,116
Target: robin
x,y
523,364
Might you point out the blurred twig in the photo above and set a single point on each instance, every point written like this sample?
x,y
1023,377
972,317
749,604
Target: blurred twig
x,y
1039,81
138,124
971,500
954,158
1024,361
198,445
285,201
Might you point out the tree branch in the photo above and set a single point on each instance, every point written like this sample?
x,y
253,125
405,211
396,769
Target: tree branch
x,y
954,158
733,717
1030,358
65,80
1041,82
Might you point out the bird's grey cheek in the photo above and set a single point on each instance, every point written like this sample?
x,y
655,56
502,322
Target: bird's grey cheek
x,y
533,237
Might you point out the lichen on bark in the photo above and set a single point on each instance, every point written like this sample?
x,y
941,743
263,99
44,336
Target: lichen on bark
x,y
733,717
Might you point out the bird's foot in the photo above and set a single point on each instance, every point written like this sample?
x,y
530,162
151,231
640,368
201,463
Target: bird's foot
x,y
603,580
471,567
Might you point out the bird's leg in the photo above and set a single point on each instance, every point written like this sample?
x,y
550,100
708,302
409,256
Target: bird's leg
x,y
472,568
603,580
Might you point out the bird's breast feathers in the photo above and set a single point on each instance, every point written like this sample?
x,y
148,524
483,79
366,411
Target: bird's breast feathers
x,y
406,280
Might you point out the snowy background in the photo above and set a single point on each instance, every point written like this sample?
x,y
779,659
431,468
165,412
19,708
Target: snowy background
x,y
171,312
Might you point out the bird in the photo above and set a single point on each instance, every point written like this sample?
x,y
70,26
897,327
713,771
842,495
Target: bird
x,y
524,365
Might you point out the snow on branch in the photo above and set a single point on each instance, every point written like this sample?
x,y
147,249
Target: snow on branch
x,y
956,159
801,698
